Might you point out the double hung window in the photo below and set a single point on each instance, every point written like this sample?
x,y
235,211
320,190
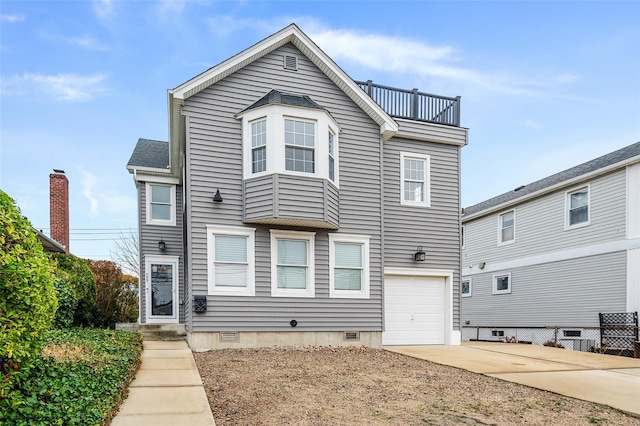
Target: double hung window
x,y
415,169
259,146
332,160
507,227
231,260
349,260
161,201
578,207
292,264
300,143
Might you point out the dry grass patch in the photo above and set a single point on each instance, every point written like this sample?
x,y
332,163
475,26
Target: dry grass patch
x,y
361,386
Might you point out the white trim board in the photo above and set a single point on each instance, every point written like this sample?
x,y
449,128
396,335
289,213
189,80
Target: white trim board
x,y
603,248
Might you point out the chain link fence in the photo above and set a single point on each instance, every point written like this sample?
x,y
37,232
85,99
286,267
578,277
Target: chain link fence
x,y
613,340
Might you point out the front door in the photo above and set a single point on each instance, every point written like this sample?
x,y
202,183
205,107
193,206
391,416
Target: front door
x,y
161,289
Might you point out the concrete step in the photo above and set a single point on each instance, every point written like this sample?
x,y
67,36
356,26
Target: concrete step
x,y
163,332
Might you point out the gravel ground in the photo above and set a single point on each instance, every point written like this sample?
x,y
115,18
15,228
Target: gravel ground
x,y
363,386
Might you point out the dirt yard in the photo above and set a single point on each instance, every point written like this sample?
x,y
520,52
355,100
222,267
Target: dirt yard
x,y
362,386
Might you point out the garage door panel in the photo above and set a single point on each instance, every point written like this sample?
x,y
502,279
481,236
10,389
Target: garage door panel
x,y
414,310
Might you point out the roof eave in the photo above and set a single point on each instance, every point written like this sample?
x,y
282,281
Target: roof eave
x,y
559,185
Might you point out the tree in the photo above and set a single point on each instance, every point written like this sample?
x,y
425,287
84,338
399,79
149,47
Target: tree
x,y
127,253
117,299
28,300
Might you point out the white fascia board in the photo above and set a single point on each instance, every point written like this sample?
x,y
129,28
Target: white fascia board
x,y
155,178
552,188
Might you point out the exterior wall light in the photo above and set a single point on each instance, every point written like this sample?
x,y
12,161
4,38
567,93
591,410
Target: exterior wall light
x,y
420,255
162,245
217,197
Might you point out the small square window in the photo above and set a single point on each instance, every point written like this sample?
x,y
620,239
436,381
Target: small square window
x,y
465,288
502,284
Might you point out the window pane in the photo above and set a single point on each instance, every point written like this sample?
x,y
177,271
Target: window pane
x,y
413,191
348,279
292,252
259,160
160,194
507,220
292,277
332,170
502,283
230,275
230,248
348,255
465,287
579,215
579,199
330,143
507,234
161,211
413,169
288,125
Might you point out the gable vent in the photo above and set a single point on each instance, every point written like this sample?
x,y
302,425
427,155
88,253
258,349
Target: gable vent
x,y
290,62
352,335
228,336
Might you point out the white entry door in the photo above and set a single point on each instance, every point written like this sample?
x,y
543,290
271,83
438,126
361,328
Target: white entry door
x,y
414,310
161,289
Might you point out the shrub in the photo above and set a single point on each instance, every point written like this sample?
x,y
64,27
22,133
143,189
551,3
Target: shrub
x,y
27,298
67,303
75,272
80,378
117,299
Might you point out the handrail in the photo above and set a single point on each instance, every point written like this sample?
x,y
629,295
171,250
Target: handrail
x,y
414,105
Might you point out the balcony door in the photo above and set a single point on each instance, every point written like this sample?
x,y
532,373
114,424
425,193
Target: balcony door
x,y
161,289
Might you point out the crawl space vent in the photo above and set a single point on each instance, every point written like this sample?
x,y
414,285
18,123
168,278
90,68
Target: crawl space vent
x,y
228,336
352,335
291,62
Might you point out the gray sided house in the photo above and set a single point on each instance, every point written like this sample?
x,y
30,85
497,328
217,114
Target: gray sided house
x,y
556,252
290,201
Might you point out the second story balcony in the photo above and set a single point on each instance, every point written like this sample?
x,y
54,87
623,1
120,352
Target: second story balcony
x,y
414,105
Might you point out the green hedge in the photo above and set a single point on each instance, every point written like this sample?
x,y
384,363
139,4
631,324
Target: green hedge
x,y
80,378
27,297
79,278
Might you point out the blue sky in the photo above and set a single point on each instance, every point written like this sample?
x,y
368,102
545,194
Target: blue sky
x,y
544,85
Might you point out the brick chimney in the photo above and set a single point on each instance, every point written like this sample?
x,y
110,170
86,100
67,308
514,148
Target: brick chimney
x,y
59,207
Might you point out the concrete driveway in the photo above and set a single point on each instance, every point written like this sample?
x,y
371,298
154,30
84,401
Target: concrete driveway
x,y
604,379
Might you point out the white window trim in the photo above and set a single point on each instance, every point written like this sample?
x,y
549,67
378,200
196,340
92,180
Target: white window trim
x,y
252,148
494,287
315,147
148,261
363,293
309,237
427,175
250,289
275,115
470,287
567,205
150,221
513,240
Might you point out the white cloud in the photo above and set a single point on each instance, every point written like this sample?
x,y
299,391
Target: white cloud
x,y
12,18
60,87
103,9
84,41
532,124
89,182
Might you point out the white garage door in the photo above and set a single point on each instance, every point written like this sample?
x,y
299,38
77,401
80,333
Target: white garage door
x,y
414,309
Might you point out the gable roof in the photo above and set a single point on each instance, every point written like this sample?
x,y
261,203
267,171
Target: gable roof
x,y
150,154
290,34
615,159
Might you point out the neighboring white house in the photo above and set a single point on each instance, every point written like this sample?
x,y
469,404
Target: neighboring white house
x,y
555,252
293,205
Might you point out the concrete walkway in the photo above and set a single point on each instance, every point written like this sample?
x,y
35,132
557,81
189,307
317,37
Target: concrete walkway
x,y
167,389
603,379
